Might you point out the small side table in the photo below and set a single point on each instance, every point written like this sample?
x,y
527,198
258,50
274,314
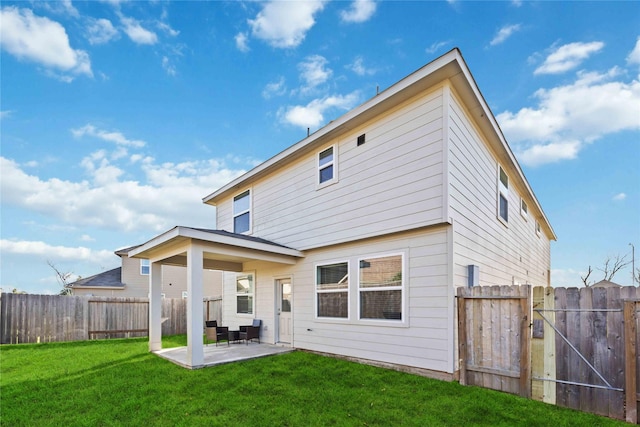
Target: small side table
x,y
234,336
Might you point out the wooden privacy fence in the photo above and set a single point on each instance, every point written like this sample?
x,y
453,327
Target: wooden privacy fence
x,y
571,347
28,318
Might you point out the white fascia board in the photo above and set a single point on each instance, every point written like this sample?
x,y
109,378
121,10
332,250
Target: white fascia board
x,y
207,237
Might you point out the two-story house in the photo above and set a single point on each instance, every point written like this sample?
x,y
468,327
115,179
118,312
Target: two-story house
x,y
354,240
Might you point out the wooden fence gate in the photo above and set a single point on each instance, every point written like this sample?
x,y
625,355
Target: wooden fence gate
x,y
494,339
571,347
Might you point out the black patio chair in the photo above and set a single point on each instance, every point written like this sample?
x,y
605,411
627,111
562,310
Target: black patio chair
x,y
251,332
216,333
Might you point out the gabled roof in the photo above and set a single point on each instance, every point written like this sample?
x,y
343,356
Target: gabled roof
x,y
125,251
450,66
220,245
106,279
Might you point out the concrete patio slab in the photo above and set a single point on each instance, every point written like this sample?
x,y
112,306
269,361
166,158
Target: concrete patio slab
x,y
223,353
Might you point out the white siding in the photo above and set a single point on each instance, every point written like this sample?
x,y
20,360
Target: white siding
x,y
424,341
391,183
511,254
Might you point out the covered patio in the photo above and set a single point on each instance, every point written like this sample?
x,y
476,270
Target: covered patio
x,y
199,249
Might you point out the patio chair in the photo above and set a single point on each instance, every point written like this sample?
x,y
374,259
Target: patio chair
x,y
216,333
248,333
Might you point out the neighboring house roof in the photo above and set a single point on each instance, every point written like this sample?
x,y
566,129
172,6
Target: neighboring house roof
x,y
605,284
448,67
106,279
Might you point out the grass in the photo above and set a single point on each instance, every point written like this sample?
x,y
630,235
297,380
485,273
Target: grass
x,y
117,382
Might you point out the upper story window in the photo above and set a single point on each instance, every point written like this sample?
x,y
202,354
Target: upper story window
x,y
524,209
242,212
327,166
380,287
538,228
244,293
503,195
332,290
144,267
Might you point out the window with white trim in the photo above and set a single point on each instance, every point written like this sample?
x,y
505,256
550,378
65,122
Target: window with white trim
x,y
242,212
524,209
145,267
503,195
332,290
245,288
538,228
380,287
326,166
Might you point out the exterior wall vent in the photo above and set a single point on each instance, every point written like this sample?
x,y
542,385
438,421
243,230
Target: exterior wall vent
x,y
361,140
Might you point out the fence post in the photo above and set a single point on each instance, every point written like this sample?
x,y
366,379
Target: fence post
x,y
630,386
525,345
462,338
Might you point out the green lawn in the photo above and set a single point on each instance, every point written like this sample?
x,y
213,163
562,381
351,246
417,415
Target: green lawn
x,y
117,382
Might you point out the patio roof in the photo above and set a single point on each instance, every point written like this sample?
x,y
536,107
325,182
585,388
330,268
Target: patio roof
x,y
222,250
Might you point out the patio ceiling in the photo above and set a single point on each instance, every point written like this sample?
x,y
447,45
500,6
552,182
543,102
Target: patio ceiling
x,y
222,250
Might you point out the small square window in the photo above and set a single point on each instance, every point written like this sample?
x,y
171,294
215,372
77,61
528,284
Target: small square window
x,y
144,267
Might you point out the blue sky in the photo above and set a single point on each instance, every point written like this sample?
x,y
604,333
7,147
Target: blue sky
x,y
118,117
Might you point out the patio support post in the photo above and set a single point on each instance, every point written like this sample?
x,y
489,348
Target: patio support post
x,y
195,310
155,307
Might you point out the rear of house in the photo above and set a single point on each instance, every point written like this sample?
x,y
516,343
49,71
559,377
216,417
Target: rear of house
x,y
353,240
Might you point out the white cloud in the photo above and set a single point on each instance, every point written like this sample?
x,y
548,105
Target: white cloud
x,y
169,194
100,31
436,46
43,41
168,66
504,33
116,137
87,238
571,116
619,197
312,114
285,24
137,33
634,55
5,114
242,42
568,57
313,72
359,11
277,88
566,278
47,251
167,29
357,66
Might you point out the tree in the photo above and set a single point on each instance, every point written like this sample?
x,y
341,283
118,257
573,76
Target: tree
x,y
62,278
611,266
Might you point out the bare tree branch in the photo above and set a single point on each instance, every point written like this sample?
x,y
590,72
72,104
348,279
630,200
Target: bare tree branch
x,y
585,279
613,265
62,278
